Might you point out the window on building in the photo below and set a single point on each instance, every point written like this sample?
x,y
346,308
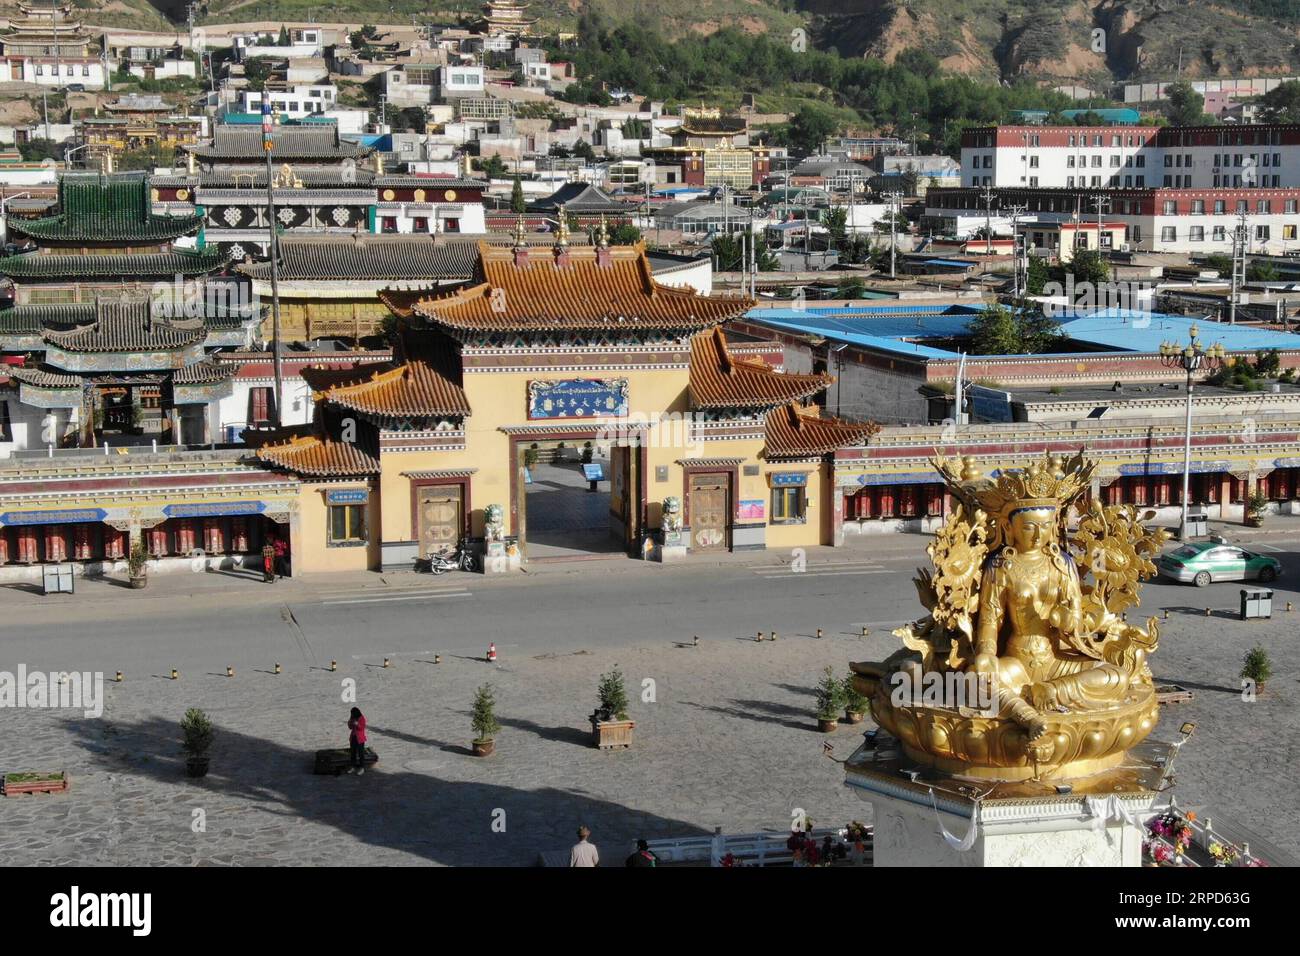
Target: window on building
x,y
1071,139
40,70
1220,207
1168,233
388,224
1288,232
1268,160
1096,180
1196,234
261,406
1141,181
1128,181
1114,139
1069,182
1169,180
1096,161
788,506
1220,234
988,162
1033,162
1142,161
347,524
1170,207
1169,161
420,224
1262,233
1277,159
1114,162
1069,162
85,69
1198,207
1096,139
1290,207
1136,233
1242,206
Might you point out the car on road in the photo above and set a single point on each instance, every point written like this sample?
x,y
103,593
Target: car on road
x,y
1204,561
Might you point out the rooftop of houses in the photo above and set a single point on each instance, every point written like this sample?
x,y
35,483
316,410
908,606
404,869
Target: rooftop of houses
x,y
406,258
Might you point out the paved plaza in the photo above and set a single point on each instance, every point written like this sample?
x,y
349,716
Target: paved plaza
x,y
728,739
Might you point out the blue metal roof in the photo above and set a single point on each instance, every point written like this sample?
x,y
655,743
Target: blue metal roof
x,y
1134,331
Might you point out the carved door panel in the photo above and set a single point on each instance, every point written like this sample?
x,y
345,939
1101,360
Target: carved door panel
x,y
710,512
439,518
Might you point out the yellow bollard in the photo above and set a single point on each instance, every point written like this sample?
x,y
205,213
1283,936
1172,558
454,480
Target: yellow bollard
x,y
175,674
385,661
230,671
773,637
1288,606
334,665
819,633
119,677
1166,617
1207,612
437,658
277,667
864,630
695,641
759,638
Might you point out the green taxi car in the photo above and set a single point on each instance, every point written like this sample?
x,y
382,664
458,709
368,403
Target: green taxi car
x,y
1204,561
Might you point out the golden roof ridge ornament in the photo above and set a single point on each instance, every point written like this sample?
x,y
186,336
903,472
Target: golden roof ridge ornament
x,y
602,233
562,233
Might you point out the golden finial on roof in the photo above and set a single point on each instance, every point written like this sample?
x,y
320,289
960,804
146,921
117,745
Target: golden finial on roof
x,y
562,234
520,239
602,233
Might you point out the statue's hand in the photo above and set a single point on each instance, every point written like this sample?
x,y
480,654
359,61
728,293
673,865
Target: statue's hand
x,y
1043,696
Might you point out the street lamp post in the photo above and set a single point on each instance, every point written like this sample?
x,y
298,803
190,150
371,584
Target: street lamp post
x,y
1191,358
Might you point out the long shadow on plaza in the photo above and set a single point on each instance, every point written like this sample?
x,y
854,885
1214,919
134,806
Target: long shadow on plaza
x,y
764,711
448,822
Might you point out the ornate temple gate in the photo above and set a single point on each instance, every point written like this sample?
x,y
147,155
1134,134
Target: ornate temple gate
x,y
708,510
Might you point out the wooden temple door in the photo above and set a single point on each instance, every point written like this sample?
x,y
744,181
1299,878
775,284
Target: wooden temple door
x,y
709,509
440,510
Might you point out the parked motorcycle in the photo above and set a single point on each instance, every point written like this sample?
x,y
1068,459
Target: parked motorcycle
x,y
448,559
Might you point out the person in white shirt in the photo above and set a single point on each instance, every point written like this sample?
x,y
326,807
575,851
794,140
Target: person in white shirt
x,y
584,853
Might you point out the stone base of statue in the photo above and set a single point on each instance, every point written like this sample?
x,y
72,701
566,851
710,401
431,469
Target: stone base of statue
x,y
669,546
500,557
926,817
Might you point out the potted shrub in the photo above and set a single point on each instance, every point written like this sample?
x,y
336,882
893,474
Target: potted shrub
x,y
1256,506
197,733
137,564
610,726
855,705
483,719
1257,667
830,701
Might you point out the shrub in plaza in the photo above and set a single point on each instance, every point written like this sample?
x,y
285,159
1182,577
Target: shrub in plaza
x,y
196,737
1257,667
483,719
855,705
610,726
138,564
830,701
1256,508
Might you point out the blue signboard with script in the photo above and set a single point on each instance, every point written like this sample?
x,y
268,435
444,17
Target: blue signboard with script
x,y
215,509
67,516
594,472
578,398
348,496
788,479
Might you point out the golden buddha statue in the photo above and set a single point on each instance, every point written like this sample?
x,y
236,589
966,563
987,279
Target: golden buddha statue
x,y
1036,616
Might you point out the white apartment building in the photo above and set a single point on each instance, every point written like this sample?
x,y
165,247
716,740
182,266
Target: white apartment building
x,y
1132,157
295,102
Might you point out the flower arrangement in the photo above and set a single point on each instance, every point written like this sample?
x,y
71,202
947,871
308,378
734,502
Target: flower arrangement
x,y
1172,833
1225,854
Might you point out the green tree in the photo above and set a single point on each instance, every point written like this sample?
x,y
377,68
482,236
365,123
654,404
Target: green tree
x,y
1021,329
1268,363
1185,106
494,167
35,150
810,127
1262,272
517,202
731,254
1088,265
1036,275
851,287
1282,103
582,149
1219,263
625,234
284,36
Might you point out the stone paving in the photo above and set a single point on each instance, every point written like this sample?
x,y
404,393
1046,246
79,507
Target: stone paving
x,y
729,741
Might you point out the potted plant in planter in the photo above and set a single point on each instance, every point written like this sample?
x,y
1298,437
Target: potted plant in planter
x,y
855,705
197,733
137,564
1257,667
1256,507
830,701
483,719
609,724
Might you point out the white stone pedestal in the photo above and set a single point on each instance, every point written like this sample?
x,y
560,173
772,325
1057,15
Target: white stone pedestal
x,y
1028,823
497,558
669,546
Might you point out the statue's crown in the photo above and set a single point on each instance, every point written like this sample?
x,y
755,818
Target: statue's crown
x,y
1050,482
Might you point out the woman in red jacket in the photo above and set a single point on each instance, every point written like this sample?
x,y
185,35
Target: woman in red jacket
x,y
357,741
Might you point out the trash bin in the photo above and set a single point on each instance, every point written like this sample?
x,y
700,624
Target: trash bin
x,y
1256,602
57,578
1198,525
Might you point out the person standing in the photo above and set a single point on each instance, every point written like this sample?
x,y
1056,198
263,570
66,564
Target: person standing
x,y
643,856
281,556
268,561
357,741
583,852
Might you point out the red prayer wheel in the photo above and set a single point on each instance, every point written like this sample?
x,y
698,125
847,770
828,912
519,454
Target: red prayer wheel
x,y
4,546
214,537
27,548
239,534
56,543
83,542
114,542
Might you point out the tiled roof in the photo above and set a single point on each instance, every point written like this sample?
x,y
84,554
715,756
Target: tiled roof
x,y
421,385
314,455
42,377
182,262
371,257
579,198
720,380
107,208
542,295
203,373
35,319
792,434
290,143
126,326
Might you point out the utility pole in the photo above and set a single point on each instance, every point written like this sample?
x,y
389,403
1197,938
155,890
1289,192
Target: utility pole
x,y
1016,248
988,220
268,146
1239,235
893,233
1101,202
58,66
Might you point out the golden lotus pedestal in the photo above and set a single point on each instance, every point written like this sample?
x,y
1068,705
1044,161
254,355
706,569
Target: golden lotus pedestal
x,y
925,816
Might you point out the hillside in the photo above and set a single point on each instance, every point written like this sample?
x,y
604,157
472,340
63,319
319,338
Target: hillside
x,y
990,39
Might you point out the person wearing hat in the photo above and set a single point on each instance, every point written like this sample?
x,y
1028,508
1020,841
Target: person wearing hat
x,y
583,852
643,855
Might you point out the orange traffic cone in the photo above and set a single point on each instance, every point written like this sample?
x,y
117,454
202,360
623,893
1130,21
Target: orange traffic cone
x,y
492,654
